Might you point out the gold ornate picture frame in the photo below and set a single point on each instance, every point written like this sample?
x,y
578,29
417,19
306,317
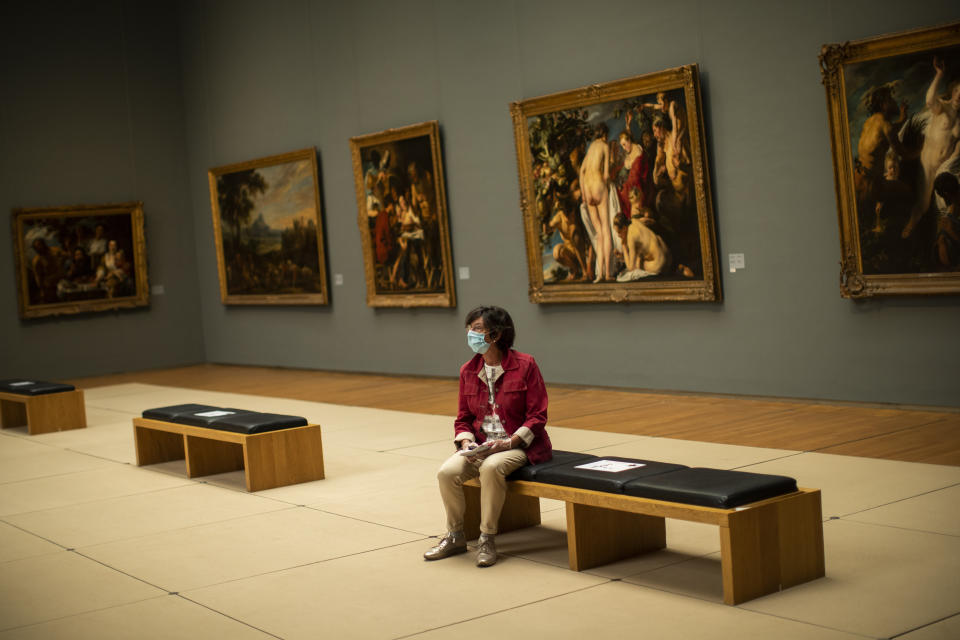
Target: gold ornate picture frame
x,y
402,215
80,259
268,229
614,188
893,104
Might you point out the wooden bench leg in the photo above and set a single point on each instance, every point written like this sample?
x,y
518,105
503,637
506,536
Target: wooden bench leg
x,y
56,412
285,457
519,512
207,457
156,446
773,547
12,414
801,539
597,536
750,554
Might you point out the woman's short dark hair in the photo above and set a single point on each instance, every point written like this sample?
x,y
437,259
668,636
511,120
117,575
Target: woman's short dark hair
x,y
498,322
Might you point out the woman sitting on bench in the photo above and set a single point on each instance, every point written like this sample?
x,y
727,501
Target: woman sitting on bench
x,y
500,426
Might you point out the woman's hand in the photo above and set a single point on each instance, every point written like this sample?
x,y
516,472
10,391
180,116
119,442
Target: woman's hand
x,y
467,445
504,444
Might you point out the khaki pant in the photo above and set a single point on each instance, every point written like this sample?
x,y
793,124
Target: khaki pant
x,y
492,471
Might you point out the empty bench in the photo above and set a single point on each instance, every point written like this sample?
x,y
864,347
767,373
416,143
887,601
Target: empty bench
x,y
771,531
273,450
44,407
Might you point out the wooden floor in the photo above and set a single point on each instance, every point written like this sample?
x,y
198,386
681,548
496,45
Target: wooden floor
x,y
913,434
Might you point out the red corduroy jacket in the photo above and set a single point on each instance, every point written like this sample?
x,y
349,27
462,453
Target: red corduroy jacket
x,y
521,398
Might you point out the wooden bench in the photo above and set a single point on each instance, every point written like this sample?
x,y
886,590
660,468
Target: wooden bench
x,y
46,413
272,459
765,546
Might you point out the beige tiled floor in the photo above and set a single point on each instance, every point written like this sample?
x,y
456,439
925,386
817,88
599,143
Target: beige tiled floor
x,y
922,568
141,514
16,544
60,489
948,629
56,585
92,546
212,554
621,610
853,485
159,618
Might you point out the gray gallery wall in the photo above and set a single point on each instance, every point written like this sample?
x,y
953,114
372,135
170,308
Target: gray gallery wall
x,y
91,112
121,100
269,77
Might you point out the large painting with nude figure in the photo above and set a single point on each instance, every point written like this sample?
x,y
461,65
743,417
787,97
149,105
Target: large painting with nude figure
x,y
615,192
894,108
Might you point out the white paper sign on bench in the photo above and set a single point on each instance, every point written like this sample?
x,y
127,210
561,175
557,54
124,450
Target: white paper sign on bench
x,y
610,466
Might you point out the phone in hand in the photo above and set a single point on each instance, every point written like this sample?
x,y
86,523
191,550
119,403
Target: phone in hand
x,y
477,449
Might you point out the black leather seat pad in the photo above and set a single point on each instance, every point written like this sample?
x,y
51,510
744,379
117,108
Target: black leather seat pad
x,y
530,471
33,387
612,482
195,419
719,488
257,422
237,420
168,414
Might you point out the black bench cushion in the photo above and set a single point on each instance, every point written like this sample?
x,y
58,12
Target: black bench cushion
x,y
612,482
257,422
530,471
208,417
224,419
719,488
33,387
168,414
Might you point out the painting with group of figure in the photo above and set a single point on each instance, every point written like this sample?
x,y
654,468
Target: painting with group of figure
x,y
269,230
402,214
894,106
614,190
80,258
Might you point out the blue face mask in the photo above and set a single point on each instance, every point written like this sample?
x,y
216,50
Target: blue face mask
x,y
477,341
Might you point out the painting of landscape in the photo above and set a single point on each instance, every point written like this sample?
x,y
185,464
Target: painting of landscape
x,y
268,231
